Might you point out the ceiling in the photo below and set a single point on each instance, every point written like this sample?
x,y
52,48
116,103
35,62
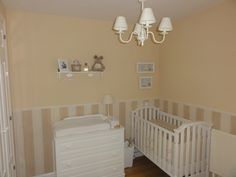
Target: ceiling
x,y
109,9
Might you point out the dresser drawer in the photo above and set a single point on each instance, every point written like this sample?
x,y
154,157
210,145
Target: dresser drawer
x,y
113,134
71,153
80,143
90,160
114,165
104,172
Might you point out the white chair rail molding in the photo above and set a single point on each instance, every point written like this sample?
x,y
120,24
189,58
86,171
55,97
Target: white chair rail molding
x,y
141,30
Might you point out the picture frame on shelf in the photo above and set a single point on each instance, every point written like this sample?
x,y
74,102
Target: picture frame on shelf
x,y
145,82
63,65
147,67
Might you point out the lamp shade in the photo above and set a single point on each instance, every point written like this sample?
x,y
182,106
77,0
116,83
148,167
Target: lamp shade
x,y
165,25
120,24
107,99
147,17
137,29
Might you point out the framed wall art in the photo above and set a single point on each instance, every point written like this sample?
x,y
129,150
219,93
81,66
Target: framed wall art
x,y
145,67
63,65
145,82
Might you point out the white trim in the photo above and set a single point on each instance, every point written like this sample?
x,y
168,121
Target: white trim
x,y
81,104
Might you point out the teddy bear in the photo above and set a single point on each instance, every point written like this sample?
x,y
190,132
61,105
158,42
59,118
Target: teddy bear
x,y
98,65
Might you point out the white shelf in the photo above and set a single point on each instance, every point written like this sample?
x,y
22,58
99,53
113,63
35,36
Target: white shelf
x,y
71,74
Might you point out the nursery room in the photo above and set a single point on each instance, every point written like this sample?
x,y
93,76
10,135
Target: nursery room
x,y
135,88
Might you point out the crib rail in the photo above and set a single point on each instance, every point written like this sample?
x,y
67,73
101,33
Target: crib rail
x,y
192,149
182,152
154,142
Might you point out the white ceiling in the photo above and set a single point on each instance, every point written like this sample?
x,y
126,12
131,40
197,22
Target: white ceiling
x,y
109,9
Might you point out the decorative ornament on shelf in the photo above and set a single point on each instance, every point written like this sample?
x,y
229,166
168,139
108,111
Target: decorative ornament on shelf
x,y
76,66
62,65
98,65
141,30
86,67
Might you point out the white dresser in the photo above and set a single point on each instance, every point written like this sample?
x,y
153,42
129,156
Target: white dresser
x,y
88,146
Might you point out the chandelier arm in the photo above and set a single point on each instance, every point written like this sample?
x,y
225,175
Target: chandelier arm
x,y
154,39
125,41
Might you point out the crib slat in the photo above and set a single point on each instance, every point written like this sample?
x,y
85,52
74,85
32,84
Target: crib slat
x,y
132,125
203,159
155,144
136,132
159,146
141,134
145,137
187,167
153,113
198,149
193,155
146,113
181,162
150,116
148,140
176,154
208,150
164,150
152,143
169,153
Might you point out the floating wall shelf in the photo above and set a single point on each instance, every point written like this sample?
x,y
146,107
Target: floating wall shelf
x,y
71,74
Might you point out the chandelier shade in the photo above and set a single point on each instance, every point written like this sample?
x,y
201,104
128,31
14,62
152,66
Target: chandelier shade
x,y
137,29
165,25
147,17
120,24
141,30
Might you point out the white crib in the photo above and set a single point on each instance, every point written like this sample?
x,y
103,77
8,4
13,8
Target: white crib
x,y
178,146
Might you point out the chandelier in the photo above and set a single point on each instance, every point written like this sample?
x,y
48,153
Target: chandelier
x,y
141,30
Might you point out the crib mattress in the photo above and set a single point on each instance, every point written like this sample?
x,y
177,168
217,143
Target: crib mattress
x,y
81,124
164,124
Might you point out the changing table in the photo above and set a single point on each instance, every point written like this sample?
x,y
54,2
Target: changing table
x,y
89,146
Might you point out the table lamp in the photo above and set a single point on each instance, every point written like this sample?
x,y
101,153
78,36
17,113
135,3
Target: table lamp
x,y
107,100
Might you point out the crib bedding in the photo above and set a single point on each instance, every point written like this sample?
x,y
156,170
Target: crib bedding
x,y
164,124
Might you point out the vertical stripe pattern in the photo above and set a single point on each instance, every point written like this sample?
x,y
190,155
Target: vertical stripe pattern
x,y
47,143
33,128
28,142
38,141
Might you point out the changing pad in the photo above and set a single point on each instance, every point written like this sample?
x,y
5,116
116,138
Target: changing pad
x,y
81,124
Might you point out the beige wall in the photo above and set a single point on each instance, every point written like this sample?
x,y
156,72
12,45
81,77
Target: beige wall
x,y
36,41
2,19
2,9
198,61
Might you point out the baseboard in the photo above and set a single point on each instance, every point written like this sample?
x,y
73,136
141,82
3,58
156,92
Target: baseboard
x,y
52,174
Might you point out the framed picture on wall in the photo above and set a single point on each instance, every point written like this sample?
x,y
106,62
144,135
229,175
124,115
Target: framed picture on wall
x,y
145,67
145,82
63,65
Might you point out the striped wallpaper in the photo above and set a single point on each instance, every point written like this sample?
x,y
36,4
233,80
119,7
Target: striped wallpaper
x,y
33,127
